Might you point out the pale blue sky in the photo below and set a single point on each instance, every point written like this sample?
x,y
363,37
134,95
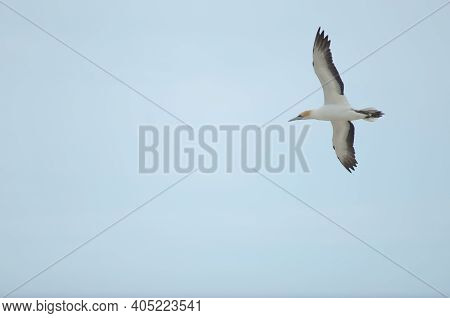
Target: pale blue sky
x,y
69,163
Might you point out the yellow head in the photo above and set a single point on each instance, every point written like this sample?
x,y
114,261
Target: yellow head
x,y
303,115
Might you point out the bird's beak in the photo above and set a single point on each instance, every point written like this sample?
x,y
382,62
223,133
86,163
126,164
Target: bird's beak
x,y
297,118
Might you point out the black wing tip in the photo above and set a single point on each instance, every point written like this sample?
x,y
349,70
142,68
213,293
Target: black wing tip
x,y
349,163
321,41
317,37
350,166
320,31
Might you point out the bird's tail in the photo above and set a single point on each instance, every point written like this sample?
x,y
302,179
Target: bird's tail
x,y
371,114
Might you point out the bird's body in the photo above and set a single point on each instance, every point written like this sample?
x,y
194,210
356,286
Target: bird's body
x,y
336,108
331,112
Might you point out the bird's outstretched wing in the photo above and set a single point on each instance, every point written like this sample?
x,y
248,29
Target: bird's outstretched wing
x,y
332,84
343,137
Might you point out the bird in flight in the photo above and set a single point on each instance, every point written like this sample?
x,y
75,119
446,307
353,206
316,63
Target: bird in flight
x,y
336,108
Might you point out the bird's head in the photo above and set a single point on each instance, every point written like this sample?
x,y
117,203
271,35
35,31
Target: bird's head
x,y
303,115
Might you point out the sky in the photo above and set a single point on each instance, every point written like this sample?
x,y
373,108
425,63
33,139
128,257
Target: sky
x,y
69,166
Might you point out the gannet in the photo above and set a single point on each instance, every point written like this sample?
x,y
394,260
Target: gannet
x,y
336,108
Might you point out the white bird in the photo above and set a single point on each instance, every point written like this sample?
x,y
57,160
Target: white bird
x,y
336,108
